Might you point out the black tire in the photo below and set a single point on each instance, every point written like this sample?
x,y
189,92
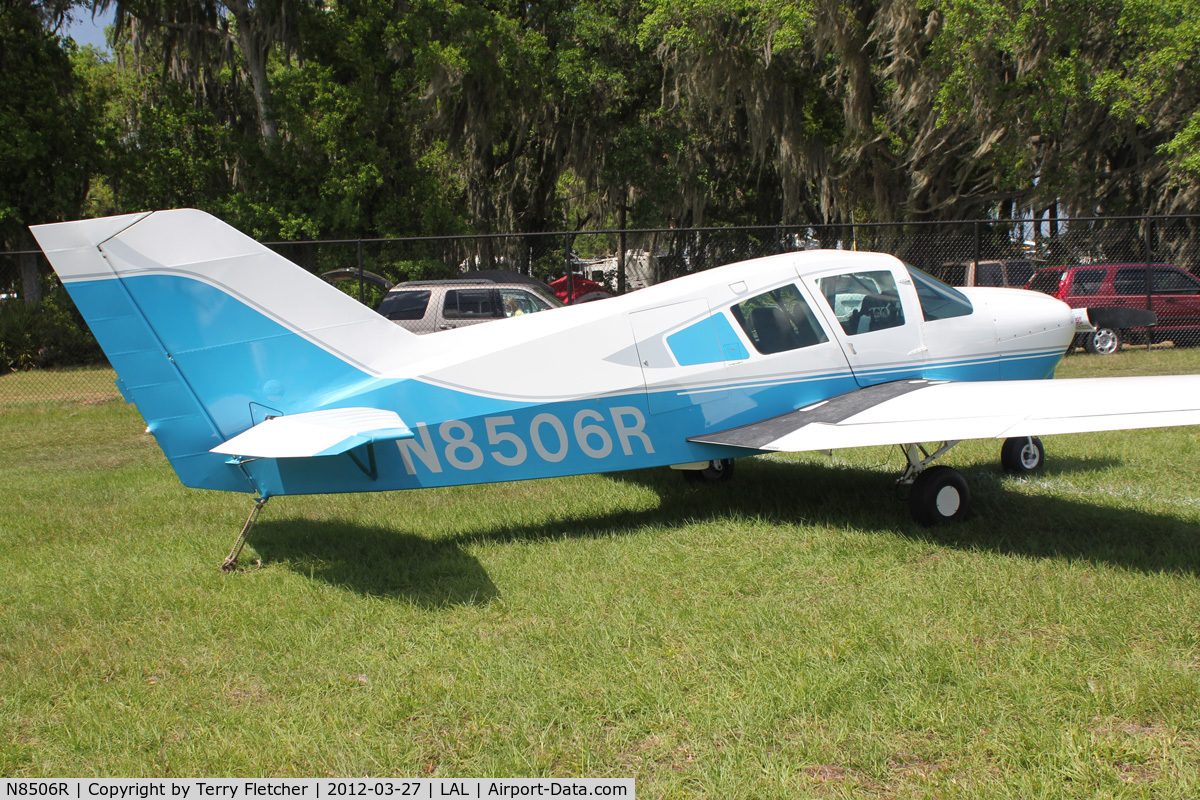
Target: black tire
x,y
939,495
1104,342
716,472
1022,455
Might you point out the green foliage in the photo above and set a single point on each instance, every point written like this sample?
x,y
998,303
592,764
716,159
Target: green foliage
x,y
418,270
47,148
1092,101
364,118
50,334
20,335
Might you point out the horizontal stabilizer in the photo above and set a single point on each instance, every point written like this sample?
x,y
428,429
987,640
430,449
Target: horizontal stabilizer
x,y
905,412
316,433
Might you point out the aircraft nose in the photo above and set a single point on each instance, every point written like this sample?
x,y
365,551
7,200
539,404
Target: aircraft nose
x,y
1031,321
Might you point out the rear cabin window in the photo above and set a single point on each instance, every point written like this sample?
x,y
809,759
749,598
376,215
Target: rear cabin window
x,y
1130,280
1019,273
779,320
1168,281
938,301
989,273
1086,281
518,302
405,305
863,302
472,304
951,274
1046,281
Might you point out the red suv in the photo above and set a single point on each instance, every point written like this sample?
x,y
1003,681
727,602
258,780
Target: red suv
x,y
1174,298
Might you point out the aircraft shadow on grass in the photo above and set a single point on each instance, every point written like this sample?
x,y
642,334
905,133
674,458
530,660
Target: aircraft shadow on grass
x,y
380,562
440,572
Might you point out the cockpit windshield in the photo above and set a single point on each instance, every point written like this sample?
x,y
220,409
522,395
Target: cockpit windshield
x,y
938,301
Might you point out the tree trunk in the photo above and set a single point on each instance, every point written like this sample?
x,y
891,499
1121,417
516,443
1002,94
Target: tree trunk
x,y
31,288
256,50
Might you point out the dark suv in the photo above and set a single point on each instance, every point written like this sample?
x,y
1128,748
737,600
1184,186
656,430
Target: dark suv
x,y
1174,297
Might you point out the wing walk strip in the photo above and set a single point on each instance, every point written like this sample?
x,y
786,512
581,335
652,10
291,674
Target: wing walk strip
x,y
757,435
904,412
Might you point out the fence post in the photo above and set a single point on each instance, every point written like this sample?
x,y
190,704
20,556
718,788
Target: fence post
x,y
570,277
360,272
621,244
975,249
1149,287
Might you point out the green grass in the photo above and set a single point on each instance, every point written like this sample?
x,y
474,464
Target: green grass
x,y
789,634
76,385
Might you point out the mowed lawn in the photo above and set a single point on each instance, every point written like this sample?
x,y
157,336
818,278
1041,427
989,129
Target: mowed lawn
x,y
789,634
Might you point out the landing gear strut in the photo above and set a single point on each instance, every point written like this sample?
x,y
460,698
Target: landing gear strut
x,y
940,494
935,494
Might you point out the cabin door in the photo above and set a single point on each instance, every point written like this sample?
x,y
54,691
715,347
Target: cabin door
x,y
876,317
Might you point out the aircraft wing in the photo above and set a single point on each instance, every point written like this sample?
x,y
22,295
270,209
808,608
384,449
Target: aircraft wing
x,y
905,412
316,433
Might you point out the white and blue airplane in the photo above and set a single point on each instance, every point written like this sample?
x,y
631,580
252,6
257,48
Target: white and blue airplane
x,y
257,377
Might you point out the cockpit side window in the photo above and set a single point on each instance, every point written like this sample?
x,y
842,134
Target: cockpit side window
x,y
938,301
863,302
779,320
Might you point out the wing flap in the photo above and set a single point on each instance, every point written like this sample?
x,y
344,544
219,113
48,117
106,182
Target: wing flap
x,y
316,433
924,411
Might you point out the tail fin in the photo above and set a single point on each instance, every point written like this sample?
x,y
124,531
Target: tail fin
x,y
209,331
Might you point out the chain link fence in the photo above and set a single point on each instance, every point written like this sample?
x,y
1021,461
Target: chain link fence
x,y
441,282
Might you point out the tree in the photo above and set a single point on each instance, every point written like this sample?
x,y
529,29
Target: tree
x,y
47,146
197,40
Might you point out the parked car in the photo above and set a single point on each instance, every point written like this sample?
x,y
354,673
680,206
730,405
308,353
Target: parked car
x,y
581,290
1010,272
1174,297
431,306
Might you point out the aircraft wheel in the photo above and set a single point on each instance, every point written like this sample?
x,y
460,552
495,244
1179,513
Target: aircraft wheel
x,y
1105,341
715,472
1022,455
939,494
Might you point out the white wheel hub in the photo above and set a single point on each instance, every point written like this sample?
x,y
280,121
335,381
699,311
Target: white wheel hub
x,y
1029,456
948,501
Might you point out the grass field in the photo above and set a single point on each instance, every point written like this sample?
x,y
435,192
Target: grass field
x,y
789,634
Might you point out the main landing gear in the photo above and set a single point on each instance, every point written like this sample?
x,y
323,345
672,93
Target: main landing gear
x,y
717,471
939,494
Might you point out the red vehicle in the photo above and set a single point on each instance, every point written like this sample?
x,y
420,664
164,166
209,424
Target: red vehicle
x,y
582,290
1174,297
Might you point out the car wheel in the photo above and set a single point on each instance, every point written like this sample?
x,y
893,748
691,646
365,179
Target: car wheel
x,y
1105,341
1022,455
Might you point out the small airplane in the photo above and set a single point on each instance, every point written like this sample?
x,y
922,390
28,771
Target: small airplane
x,y
258,377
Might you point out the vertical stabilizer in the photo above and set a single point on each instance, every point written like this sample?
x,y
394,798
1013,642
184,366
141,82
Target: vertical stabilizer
x,y
207,328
